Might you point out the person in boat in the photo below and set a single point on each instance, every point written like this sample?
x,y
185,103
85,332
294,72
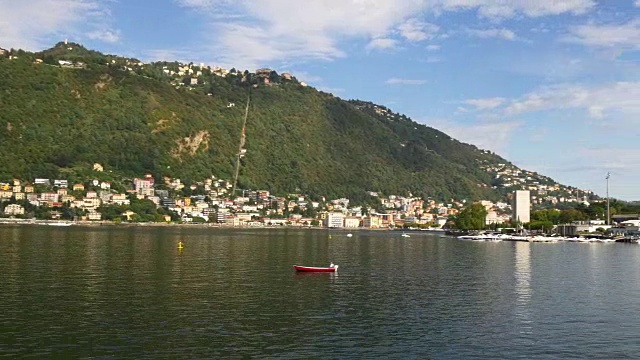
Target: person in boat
x,y
331,265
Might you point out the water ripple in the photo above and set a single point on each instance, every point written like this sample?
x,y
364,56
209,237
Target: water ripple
x,y
129,293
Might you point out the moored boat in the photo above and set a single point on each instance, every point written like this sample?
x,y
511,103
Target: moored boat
x,y
60,223
330,268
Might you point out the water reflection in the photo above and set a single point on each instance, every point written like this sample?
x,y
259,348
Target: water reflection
x,y
523,285
129,292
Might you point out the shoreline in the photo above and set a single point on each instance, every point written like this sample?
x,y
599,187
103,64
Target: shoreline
x,y
63,223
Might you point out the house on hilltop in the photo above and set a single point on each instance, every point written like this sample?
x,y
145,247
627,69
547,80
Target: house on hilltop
x,y
264,75
264,72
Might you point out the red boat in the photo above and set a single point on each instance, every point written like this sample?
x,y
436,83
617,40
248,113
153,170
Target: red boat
x,y
331,268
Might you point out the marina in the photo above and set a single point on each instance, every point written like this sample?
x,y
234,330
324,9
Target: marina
x,y
544,238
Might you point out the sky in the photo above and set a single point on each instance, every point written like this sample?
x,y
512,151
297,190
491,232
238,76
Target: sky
x,y
551,85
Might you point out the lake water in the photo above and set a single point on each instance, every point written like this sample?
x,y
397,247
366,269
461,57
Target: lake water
x,y
108,292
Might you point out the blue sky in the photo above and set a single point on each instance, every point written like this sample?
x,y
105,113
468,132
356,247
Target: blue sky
x,y
551,85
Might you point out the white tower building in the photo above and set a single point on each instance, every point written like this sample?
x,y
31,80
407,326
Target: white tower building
x,y
522,206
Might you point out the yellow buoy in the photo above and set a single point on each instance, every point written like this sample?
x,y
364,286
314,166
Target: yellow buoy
x,y
180,245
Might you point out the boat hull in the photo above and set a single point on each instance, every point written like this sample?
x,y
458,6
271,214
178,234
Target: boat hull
x,y
315,269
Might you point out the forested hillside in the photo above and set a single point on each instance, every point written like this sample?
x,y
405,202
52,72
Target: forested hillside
x,y
66,108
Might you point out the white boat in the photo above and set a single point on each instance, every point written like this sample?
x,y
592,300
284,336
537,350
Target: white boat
x,y
405,235
545,239
349,235
60,223
480,237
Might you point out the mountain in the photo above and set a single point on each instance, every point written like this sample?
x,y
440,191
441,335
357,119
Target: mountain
x,y
66,108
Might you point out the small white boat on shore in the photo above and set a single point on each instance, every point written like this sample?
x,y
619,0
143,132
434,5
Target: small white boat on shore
x,y
481,237
544,239
60,223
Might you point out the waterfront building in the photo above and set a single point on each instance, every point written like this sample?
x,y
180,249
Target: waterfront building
x,y
94,216
441,221
351,222
334,220
522,206
221,217
577,227
492,218
626,228
14,209
372,222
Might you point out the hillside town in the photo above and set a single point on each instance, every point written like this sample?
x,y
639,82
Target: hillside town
x,y
210,201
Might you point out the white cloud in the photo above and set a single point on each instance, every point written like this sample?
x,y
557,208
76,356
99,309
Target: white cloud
x,y
251,47
433,47
486,104
399,81
196,3
637,3
305,76
494,136
262,31
381,44
416,30
622,98
511,8
607,36
502,33
34,24
105,35
569,66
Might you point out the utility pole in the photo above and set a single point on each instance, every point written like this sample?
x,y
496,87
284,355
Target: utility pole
x,y
608,212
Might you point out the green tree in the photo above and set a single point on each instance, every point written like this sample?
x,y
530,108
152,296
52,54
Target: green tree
x,y
540,225
111,211
568,216
547,215
472,217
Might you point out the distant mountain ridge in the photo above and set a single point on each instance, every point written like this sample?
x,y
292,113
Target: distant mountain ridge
x,y
67,107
